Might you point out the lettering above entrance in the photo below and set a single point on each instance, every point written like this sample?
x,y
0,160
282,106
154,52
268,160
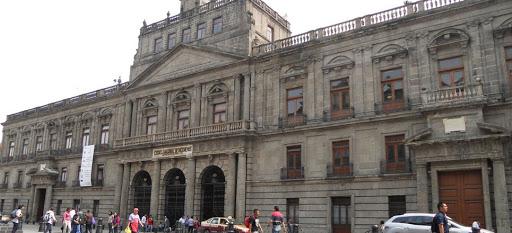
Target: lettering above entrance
x,y
172,152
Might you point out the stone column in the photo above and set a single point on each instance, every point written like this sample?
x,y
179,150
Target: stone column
x,y
162,112
247,92
190,188
127,119
133,123
118,188
124,190
32,207
48,197
155,189
422,188
240,186
500,197
229,205
195,107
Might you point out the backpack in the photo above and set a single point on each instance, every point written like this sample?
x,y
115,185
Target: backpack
x,y
13,213
247,221
46,218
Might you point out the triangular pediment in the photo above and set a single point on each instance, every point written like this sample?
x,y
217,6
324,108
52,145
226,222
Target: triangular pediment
x,y
181,61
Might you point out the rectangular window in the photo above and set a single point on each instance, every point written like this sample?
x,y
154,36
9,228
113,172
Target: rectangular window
x,y
217,25
171,40
292,210
186,37
341,158
6,178
104,134
201,30
69,139
392,89
11,149
395,153
270,33
64,174
295,102
53,141
78,173
59,205
76,204
151,125
508,58
39,143
396,205
2,203
340,98
159,45
24,150
183,119
341,214
20,178
451,72
95,207
100,174
219,113
85,136
294,163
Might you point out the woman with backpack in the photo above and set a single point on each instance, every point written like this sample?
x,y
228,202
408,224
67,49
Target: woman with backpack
x,y
16,215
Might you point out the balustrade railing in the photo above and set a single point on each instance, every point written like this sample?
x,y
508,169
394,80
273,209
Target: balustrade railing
x,y
453,94
230,127
347,26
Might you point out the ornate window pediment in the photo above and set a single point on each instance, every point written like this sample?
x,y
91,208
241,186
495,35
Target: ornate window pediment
x,y
218,91
504,27
86,118
181,100
449,38
150,107
105,115
337,64
293,73
69,121
389,53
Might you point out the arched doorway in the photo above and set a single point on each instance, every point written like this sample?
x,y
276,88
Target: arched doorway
x,y
141,188
213,186
174,194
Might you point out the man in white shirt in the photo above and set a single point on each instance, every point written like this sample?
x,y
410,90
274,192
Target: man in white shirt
x,y
17,218
49,219
144,220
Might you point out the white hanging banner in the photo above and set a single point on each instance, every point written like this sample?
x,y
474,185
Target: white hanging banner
x,y
86,168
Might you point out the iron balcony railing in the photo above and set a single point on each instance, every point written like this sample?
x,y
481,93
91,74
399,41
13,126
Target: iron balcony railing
x,y
292,173
395,167
340,171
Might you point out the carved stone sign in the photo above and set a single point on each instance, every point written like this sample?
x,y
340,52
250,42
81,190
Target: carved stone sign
x,y
454,125
172,152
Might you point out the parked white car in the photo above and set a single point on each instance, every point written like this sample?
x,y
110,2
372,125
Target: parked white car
x,y
421,223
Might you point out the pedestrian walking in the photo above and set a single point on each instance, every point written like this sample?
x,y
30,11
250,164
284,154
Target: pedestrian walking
x,y
66,221
134,221
167,224
254,222
440,221
475,227
109,223
116,222
190,224
49,219
16,217
276,220
75,224
88,221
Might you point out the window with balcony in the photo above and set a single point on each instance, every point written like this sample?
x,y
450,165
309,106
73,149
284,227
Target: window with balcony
x,y
508,57
183,119
292,210
392,89
341,158
395,154
63,175
86,136
201,31
295,105
100,174
53,141
159,45
69,139
396,205
11,149
217,25
20,179
294,162
39,143
24,148
186,35
151,125
340,98
341,214
219,113
105,129
270,33
171,40
451,72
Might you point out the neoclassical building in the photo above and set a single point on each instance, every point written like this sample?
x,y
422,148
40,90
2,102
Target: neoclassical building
x,y
341,126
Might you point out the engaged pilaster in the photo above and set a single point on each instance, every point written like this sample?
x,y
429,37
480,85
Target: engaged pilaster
x,y
501,197
155,189
190,188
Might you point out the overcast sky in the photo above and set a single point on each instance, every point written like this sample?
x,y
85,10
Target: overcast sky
x,y
56,49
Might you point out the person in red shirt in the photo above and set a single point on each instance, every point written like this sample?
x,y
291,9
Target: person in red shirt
x,y
134,221
66,221
150,224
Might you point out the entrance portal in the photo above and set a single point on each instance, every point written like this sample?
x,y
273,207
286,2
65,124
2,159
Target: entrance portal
x,y
213,187
174,194
463,193
141,188
40,196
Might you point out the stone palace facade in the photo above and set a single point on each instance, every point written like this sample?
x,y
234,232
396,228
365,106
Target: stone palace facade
x,y
342,126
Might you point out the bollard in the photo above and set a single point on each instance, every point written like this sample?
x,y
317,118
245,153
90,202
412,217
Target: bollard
x,y
99,225
41,227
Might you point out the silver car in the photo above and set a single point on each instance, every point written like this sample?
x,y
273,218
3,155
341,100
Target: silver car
x,y
421,223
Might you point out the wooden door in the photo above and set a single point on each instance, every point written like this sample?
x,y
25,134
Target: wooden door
x,y
463,193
